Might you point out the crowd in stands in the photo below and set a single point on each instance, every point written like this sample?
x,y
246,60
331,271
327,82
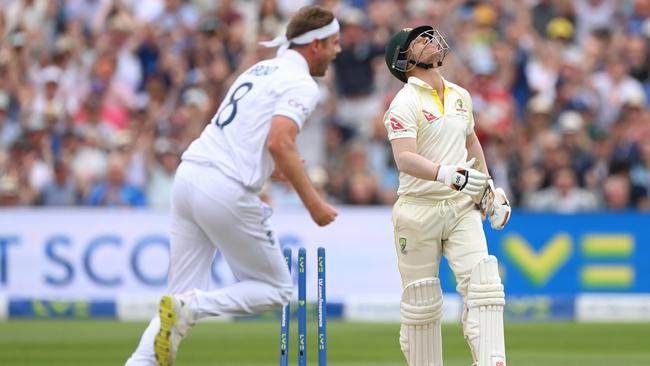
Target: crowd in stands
x,y
98,98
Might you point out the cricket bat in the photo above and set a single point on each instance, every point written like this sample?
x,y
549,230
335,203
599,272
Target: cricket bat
x,y
485,199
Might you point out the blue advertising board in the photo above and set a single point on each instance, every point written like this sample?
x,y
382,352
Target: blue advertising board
x,y
75,265
551,254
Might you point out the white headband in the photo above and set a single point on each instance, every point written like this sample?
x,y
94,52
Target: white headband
x,y
306,38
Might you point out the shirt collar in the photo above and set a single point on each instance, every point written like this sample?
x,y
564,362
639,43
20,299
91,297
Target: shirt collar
x,y
295,57
418,82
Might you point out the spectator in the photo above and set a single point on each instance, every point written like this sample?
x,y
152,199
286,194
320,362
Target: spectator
x,y
598,169
116,97
38,172
9,193
614,87
616,191
359,183
270,19
594,14
382,163
81,80
637,195
575,142
9,129
563,197
361,189
89,158
51,100
161,173
179,15
539,116
542,14
90,118
640,173
62,190
357,106
114,191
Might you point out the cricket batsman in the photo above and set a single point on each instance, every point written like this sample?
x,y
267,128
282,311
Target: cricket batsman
x,y
444,194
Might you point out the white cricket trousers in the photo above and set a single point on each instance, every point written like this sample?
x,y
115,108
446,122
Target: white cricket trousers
x,y
211,211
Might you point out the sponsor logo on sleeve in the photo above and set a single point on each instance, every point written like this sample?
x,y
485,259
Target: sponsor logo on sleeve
x,y
396,125
296,104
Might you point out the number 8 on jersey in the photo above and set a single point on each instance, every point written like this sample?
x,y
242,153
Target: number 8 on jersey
x,y
236,95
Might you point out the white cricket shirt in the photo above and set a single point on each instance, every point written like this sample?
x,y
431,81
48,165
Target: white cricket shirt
x,y
235,140
440,130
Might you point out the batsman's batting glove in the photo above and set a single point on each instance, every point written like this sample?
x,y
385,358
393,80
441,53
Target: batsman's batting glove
x,y
462,178
500,213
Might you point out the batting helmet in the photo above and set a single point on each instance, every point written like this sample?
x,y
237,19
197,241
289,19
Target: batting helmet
x,y
398,45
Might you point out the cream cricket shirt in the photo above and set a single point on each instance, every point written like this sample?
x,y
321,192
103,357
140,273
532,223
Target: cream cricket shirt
x,y
440,130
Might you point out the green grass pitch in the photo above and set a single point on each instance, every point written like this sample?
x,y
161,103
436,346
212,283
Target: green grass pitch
x,y
256,343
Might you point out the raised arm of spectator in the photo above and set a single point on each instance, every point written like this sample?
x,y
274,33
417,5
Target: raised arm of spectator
x,y
99,21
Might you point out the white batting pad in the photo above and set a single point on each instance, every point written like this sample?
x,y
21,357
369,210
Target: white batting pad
x,y
421,309
484,322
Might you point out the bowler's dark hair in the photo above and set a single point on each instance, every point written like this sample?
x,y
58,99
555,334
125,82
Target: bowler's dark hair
x,y
308,18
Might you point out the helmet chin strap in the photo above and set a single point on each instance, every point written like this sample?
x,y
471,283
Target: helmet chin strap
x,y
423,65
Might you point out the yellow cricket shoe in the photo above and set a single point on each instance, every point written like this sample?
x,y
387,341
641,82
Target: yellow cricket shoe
x,y
176,319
